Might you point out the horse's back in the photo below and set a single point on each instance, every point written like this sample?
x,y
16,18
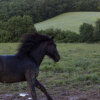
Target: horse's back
x,y
6,62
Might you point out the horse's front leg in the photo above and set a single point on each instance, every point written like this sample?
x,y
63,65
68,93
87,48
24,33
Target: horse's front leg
x,y
30,77
41,87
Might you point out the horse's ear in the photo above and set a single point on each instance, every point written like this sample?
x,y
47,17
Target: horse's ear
x,y
52,37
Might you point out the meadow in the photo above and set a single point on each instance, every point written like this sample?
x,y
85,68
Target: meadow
x,y
79,67
69,21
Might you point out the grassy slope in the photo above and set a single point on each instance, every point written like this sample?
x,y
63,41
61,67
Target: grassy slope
x,y
69,21
79,67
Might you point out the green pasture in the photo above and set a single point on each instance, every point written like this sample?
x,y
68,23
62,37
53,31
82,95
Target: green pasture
x,y
79,67
69,21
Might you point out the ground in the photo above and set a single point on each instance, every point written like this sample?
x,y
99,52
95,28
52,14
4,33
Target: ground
x,y
75,77
58,93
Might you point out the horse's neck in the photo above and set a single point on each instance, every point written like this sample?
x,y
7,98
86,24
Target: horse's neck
x,y
38,55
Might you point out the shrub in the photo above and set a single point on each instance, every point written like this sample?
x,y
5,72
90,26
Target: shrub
x,y
15,27
71,37
97,31
4,36
49,32
61,36
86,32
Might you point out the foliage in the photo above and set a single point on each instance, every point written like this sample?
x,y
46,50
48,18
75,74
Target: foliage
x,y
86,5
15,27
40,10
71,37
99,5
61,36
97,31
86,32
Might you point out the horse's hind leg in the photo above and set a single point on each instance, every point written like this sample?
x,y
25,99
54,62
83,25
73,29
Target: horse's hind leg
x,y
41,87
30,77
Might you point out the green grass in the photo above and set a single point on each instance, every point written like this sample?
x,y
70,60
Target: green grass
x,y
69,21
79,67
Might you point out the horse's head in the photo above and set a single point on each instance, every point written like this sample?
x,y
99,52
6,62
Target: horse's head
x,y
36,46
52,51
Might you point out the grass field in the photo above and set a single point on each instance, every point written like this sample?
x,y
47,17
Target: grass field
x,y
69,21
79,67
79,64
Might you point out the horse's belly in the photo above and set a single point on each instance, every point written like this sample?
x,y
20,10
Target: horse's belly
x,y
11,79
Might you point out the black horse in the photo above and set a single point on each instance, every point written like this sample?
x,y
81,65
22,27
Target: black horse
x,y
24,66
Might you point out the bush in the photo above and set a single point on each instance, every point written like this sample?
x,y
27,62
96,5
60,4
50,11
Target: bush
x,y
71,37
15,27
61,36
4,37
86,32
97,31
49,32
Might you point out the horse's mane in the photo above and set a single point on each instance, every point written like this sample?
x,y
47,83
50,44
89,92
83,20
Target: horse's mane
x,y
30,42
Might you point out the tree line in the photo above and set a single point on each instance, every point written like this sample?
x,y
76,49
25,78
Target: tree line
x,y
17,17
40,10
13,29
87,34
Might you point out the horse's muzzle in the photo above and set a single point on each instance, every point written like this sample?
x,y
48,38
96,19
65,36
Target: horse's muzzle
x,y
57,58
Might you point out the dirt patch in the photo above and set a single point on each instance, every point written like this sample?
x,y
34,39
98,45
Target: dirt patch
x,y
57,94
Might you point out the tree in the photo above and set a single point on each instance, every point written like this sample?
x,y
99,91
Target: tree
x,y
40,10
97,31
86,32
17,26
99,5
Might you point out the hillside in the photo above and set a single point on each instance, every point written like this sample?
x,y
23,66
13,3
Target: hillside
x,y
69,21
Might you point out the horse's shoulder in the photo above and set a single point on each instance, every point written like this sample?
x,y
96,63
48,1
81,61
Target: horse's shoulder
x,y
30,64
33,65
32,68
